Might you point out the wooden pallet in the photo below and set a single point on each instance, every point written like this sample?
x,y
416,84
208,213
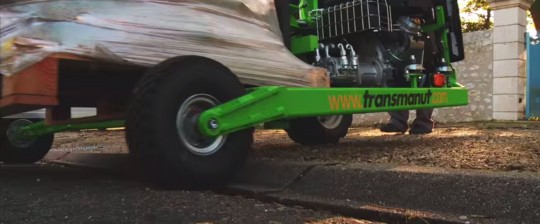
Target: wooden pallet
x,y
33,88
48,85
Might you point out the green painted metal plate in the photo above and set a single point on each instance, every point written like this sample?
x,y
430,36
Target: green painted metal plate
x,y
304,44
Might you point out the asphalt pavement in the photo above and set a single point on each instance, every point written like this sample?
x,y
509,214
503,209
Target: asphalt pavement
x,y
379,192
60,194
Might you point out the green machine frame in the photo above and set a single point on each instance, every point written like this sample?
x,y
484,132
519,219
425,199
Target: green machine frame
x,y
272,104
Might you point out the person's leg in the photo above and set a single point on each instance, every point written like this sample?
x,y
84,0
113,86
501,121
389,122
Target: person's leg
x,y
422,124
398,119
398,122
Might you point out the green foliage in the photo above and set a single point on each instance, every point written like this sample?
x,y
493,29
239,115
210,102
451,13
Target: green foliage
x,y
479,9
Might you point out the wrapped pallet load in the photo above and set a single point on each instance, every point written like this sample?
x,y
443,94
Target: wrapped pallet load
x,y
244,35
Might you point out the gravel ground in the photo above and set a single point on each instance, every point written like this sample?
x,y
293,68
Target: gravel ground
x,y
56,194
91,141
513,146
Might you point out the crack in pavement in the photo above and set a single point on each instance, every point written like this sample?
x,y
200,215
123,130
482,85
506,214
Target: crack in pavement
x,y
288,184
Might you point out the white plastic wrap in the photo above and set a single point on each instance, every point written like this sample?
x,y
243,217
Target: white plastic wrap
x,y
244,35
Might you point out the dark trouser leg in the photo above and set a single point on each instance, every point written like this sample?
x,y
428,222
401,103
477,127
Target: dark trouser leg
x,y
399,119
423,121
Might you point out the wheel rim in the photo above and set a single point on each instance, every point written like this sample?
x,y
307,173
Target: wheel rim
x,y
13,134
330,122
187,125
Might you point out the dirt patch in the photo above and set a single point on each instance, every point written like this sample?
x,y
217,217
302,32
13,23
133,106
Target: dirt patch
x,y
489,146
511,146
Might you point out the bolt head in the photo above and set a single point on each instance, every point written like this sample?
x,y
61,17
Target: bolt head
x,y
213,124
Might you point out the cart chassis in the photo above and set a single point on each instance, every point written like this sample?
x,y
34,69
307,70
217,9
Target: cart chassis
x,y
271,103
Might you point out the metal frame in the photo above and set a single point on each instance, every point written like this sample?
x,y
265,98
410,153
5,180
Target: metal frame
x,y
342,17
441,24
528,69
301,12
529,111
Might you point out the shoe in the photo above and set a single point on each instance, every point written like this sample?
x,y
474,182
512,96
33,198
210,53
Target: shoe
x,y
420,131
390,127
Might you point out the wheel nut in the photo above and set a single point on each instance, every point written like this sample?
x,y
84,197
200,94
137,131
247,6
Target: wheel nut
x,y
213,124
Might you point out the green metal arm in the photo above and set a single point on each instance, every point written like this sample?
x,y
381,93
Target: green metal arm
x,y
305,7
266,104
441,25
303,44
39,129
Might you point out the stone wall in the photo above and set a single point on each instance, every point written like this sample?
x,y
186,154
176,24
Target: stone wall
x,y
475,72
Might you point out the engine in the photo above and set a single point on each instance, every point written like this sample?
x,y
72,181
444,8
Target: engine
x,y
361,45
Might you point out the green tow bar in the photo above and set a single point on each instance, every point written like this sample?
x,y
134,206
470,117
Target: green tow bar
x,y
265,104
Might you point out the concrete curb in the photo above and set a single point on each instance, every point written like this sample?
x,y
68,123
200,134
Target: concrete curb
x,y
378,192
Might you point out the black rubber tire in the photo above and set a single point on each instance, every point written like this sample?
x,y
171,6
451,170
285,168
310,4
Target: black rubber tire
x,y
151,124
34,152
309,131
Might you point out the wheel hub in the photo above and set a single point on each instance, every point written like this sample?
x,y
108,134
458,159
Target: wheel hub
x,y
14,136
187,125
330,122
